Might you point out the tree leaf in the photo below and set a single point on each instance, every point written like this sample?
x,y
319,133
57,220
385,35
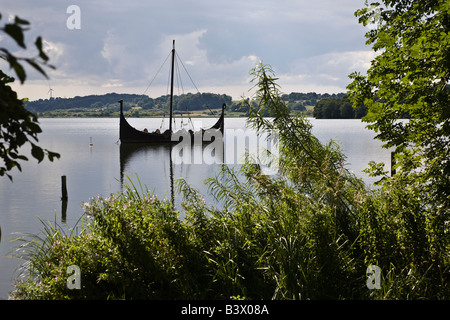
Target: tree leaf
x,y
37,152
20,71
52,155
16,33
37,67
18,20
38,44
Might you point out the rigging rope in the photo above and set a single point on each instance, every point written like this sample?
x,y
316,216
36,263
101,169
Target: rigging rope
x,y
179,83
191,79
156,74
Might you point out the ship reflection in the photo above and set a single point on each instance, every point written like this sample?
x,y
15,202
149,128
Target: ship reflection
x,y
155,165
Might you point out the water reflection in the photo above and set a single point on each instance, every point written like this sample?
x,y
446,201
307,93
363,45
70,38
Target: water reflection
x,y
155,166
160,154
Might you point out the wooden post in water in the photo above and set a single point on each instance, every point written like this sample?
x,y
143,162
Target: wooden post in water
x,y
392,163
63,211
64,198
64,188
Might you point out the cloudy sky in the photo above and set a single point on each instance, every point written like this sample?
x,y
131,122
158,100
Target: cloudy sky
x,y
121,45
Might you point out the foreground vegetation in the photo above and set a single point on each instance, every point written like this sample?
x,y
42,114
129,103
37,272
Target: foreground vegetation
x,y
309,232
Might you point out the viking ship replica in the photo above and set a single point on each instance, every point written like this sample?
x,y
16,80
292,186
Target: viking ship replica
x,y
129,134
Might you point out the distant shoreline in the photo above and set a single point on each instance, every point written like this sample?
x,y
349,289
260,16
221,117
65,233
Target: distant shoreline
x,y
64,114
56,114
139,106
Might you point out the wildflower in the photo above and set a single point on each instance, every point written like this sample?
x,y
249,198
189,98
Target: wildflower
x,y
87,207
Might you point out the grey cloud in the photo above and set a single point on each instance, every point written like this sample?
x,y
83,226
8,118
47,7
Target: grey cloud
x,y
124,43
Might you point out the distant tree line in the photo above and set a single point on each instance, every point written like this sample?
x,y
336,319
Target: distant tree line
x,y
85,102
296,101
340,108
108,102
326,106
201,101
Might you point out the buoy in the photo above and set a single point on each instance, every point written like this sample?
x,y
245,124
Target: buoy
x,y
90,143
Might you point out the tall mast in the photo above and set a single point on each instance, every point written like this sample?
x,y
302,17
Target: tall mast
x,y
171,86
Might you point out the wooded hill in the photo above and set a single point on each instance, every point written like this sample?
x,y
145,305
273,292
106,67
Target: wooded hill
x,y
107,104
340,108
324,105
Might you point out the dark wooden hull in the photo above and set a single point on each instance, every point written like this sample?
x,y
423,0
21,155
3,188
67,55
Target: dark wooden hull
x,y
129,134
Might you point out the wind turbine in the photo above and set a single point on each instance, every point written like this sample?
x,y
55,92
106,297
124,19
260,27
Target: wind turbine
x,y
50,91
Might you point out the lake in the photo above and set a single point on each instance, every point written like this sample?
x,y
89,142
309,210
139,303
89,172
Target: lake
x,y
96,170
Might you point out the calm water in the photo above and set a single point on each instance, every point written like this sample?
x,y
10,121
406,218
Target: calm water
x,y
96,170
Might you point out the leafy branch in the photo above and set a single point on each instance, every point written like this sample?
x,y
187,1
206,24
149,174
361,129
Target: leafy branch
x,y
16,31
17,124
